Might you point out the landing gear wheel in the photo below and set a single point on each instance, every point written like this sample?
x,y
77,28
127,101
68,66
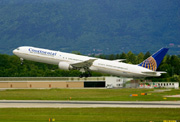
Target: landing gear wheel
x,y
86,75
90,74
81,75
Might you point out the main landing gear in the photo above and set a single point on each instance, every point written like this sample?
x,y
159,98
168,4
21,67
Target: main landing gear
x,y
85,74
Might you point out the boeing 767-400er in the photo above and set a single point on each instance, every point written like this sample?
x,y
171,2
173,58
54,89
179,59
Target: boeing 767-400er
x,y
85,64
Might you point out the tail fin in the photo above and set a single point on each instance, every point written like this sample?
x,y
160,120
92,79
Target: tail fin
x,y
153,61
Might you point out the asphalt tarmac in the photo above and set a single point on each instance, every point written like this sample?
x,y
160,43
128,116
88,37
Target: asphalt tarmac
x,y
87,104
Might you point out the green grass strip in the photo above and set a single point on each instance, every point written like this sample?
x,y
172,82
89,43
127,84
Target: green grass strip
x,y
88,114
87,94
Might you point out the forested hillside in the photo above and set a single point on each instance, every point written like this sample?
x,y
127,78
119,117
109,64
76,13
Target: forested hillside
x,y
90,26
10,66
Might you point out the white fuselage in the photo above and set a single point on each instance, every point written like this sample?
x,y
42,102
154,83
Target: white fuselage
x,y
99,65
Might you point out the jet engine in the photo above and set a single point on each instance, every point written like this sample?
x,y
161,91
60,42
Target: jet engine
x,y
65,66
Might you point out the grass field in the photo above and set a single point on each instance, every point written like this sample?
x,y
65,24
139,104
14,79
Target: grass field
x,y
88,114
86,94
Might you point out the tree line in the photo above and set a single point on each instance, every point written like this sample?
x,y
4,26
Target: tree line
x,y
10,66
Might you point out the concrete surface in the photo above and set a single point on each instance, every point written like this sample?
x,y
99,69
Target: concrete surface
x,y
87,104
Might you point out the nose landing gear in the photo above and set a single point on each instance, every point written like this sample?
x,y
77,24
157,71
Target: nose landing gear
x,y
21,59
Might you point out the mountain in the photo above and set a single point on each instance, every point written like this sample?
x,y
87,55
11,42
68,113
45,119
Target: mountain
x,y
90,26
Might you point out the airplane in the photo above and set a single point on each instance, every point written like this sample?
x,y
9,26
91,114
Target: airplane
x,y
85,64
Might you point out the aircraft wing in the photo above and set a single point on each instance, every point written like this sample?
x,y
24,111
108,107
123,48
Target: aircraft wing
x,y
83,64
119,60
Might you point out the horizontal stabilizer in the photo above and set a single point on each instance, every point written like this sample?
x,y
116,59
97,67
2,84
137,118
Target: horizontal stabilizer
x,y
150,73
161,72
156,73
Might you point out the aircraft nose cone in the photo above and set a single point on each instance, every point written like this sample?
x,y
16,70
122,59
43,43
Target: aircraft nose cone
x,y
14,51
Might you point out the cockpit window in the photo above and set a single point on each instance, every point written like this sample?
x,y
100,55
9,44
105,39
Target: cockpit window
x,y
17,48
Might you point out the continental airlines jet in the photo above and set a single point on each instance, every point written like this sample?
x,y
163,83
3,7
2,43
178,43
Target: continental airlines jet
x,y
85,64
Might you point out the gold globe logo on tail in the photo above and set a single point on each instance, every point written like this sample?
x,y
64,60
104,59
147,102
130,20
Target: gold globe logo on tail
x,y
150,63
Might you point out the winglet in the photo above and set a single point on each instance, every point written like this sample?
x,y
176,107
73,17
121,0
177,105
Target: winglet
x,y
153,61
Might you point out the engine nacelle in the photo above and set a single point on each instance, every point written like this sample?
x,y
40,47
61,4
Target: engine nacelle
x,y
64,66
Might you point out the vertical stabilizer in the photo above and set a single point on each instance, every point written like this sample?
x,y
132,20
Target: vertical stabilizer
x,y
153,61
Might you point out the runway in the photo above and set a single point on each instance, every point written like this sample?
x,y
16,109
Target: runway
x,y
86,104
